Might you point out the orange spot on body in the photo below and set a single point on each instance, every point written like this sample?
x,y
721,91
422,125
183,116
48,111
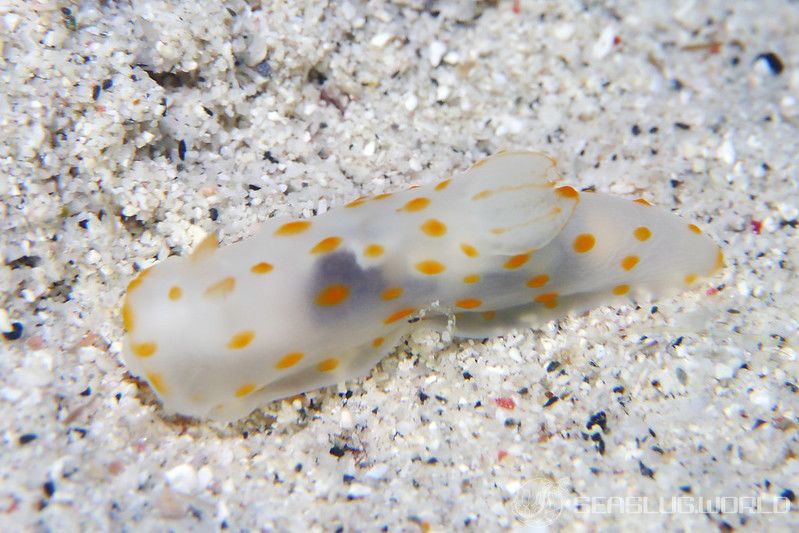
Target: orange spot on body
x,y
469,303
482,195
434,228
377,342
156,382
373,250
261,268
383,196
719,261
127,316
430,267
620,290
327,365
135,282
293,228
642,233
629,262
471,278
690,279
221,288
567,192
144,349
175,293
398,315
333,295
206,246
642,202
548,299
538,281
583,243
694,228
516,261
289,360
241,340
244,390
417,204
392,293
469,250
442,185
489,315
356,202
326,245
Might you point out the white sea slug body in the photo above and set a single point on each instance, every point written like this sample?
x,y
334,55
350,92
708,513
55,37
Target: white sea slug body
x,y
308,303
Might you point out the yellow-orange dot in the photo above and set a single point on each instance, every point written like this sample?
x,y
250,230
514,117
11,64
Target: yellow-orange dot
x,y
469,250
392,293
620,290
538,281
383,196
241,339
642,233
567,191
333,295
434,228
127,316
548,299
430,267
244,390
516,261
642,202
221,288
629,262
206,246
482,195
293,228
327,365
398,315
489,315
694,228
417,204
719,260
156,382
144,349
326,245
175,293
135,282
377,342
690,279
261,268
289,360
469,303
442,185
356,202
583,243
471,278
373,250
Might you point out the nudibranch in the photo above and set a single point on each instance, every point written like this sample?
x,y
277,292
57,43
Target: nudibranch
x,y
308,303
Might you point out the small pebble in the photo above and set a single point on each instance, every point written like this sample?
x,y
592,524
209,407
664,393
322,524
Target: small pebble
x,y
264,69
380,40
772,61
437,50
15,333
27,437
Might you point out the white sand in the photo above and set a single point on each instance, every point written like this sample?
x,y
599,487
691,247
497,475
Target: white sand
x,y
700,397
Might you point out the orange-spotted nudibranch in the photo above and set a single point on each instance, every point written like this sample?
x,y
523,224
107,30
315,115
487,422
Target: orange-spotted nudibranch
x,y
308,303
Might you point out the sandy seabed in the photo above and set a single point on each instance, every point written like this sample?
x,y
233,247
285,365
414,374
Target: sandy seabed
x,y
132,129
